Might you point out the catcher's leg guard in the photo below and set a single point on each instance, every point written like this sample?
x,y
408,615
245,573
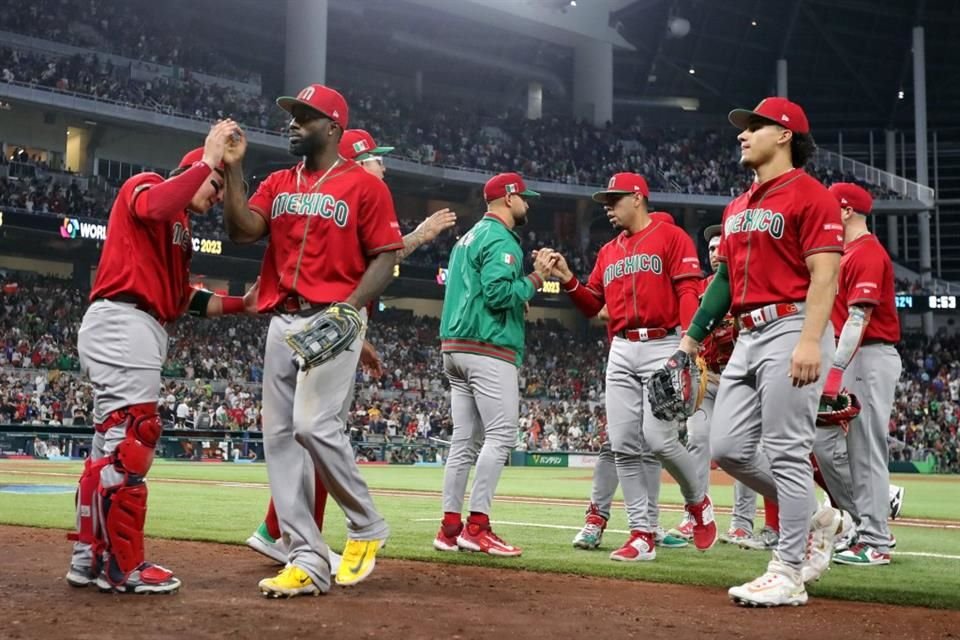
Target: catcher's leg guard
x,y
88,530
123,493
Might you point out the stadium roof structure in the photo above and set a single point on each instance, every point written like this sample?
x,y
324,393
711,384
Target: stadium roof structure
x,y
848,60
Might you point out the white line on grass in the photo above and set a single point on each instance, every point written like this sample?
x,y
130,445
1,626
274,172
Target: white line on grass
x,y
540,525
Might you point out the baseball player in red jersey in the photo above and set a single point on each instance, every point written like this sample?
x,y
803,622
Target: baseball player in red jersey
x,y
605,481
780,256
867,329
359,146
333,238
649,261
142,283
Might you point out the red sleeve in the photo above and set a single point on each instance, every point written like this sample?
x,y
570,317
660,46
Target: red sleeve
x,y
378,226
722,251
821,230
595,281
589,297
684,262
863,276
157,199
261,202
688,294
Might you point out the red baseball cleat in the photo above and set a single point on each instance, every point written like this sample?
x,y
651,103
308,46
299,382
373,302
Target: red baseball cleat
x,y
484,540
704,526
639,546
446,539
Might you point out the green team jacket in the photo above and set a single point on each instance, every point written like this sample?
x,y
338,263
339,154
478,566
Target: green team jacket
x,y
483,306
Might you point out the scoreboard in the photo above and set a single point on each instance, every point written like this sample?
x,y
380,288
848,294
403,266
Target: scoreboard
x,y
924,303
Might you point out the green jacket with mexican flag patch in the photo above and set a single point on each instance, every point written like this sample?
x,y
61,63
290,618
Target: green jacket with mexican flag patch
x,y
483,306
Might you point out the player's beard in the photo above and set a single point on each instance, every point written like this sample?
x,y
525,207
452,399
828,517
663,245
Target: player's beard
x,y
519,220
310,145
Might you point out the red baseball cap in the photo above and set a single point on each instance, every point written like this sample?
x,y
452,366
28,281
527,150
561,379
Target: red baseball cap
x,y
321,99
781,111
622,184
193,157
853,195
357,144
662,216
503,183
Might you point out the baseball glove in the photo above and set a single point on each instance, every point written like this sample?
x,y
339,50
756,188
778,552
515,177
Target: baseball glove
x,y
839,411
677,388
326,336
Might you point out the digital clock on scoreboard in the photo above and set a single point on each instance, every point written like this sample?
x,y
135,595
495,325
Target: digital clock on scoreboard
x,y
944,302
923,303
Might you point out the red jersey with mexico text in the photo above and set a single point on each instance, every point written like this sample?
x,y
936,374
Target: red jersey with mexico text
x,y
866,279
145,259
324,230
768,233
635,276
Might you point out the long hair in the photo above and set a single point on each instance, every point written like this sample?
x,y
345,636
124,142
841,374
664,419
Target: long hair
x,y
802,147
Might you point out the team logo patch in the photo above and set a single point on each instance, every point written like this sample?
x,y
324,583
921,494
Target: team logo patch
x,y
833,227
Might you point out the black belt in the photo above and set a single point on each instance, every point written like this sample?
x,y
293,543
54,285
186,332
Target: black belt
x,y
871,341
127,298
300,306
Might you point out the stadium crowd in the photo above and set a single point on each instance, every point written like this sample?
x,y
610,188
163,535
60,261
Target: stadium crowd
x,y
133,30
214,369
555,148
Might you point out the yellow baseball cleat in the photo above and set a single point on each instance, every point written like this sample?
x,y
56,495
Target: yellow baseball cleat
x,y
359,559
291,581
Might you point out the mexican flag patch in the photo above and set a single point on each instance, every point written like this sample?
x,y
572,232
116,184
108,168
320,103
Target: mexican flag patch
x,y
509,259
360,145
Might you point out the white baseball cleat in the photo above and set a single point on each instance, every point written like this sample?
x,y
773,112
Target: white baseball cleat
x,y
824,527
335,560
264,544
780,586
896,500
847,535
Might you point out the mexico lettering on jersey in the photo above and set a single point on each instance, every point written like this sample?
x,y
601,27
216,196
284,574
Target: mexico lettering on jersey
x,y
768,233
322,233
866,279
636,276
145,259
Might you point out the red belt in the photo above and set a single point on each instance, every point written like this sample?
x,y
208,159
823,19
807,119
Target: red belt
x,y
645,334
761,316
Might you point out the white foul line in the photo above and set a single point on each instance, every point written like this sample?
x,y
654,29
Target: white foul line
x,y
539,525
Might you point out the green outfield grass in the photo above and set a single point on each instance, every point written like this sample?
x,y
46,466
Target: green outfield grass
x,y
226,504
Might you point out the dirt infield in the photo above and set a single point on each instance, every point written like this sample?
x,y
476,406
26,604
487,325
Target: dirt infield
x,y
405,600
